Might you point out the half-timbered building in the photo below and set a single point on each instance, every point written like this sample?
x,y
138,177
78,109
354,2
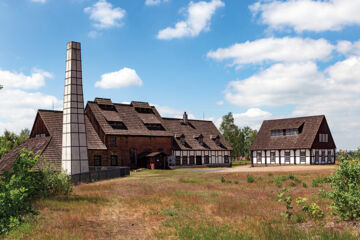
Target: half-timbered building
x,y
301,140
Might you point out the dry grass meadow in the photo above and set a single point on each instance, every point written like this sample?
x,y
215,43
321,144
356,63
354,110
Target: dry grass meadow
x,y
178,204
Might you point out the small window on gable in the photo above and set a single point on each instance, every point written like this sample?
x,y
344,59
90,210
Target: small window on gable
x,y
323,137
117,125
40,135
107,107
154,126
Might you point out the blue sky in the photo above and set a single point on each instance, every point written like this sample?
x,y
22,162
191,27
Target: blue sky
x,y
257,59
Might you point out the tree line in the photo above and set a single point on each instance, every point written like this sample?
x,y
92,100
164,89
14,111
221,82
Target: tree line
x,y
240,139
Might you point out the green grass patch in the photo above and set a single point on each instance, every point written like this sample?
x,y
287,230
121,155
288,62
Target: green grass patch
x,y
194,180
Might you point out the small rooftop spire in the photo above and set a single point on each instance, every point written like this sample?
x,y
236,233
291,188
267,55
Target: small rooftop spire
x,y
185,118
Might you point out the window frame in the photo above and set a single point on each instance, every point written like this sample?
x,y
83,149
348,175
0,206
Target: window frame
x,y
97,161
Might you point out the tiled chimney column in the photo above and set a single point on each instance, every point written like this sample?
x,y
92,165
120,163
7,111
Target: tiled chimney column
x,y
74,142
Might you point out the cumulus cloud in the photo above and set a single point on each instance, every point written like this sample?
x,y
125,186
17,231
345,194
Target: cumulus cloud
x,y
105,15
166,111
19,80
154,2
348,48
275,49
122,78
333,92
198,19
308,15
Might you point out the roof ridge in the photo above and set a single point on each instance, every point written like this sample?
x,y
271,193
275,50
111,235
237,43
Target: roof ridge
x,y
313,116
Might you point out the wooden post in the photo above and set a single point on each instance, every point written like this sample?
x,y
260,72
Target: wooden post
x,y
279,157
294,156
266,158
252,158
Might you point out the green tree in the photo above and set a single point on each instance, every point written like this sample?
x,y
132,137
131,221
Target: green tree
x,y
10,140
240,139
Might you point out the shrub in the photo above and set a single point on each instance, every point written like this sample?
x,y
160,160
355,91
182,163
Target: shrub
x,y
250,178
304,185
236,182
22,185
345,192
312,209
318,182
222,179
285,196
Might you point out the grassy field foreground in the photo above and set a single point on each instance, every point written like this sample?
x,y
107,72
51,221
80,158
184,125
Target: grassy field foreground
x,y
175,204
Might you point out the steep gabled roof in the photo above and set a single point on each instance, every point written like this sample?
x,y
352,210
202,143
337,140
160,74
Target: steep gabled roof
x,y
192,131
49,147
133,120
308,126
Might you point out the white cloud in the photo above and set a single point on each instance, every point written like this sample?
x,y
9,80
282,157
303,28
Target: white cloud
x,y
303,15
94,34
275,49
166,111
198,19
18,108
221,102
348,48
105,15
333,92
122,78
19,80
39,1
279,84
154,2
253,118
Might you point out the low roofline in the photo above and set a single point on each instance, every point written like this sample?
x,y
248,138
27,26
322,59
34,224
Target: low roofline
x,y
180,119
322,115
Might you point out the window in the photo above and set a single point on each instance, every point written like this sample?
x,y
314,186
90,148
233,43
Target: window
x,y
177,160
182,140
272,157
113,141
206,160
154,126
97,160
329,155
107,107
201,140
258,157
287,156
302,156
133,156
226,159
40,135
144,110
192,160
114,160
117,125
285,132
323,137
323,156
316,156
185,160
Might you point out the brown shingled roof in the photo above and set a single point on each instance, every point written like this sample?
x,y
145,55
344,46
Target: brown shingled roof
x,y
133,120
195,128
36,145
304,140
50,147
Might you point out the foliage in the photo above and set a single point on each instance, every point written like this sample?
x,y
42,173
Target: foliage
x,y
240,139
223,180
10,140
345,192
22,185
285,196
317,182
313,210
250,178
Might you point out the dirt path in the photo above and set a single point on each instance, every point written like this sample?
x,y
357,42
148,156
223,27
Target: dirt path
x,y
250,169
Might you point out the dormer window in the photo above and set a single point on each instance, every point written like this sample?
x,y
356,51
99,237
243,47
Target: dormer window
x,y
200,139
144,110
154,126
182,140
40,135
106,107
285,132
117,125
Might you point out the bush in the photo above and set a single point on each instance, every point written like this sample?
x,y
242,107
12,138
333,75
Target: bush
x,y
345,192
312,209
22,185
250,178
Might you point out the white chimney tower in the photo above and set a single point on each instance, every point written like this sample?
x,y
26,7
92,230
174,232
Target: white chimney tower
x,y
74,143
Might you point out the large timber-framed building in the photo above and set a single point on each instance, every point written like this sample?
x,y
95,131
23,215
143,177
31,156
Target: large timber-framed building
x,y
79,140
302,140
